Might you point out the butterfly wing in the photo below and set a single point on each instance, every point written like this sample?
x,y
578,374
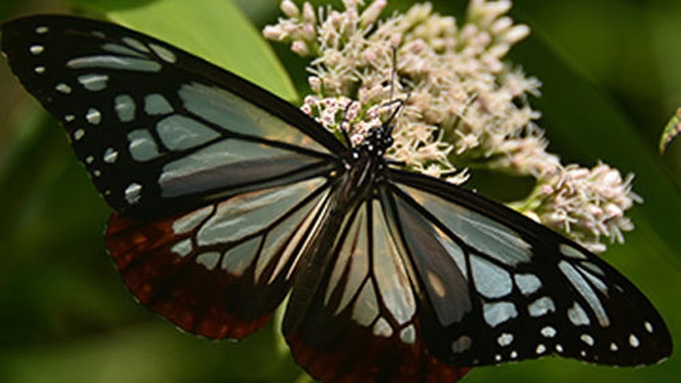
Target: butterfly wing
x,y
216,182
426,278
161,131
221,270
360,322
498,286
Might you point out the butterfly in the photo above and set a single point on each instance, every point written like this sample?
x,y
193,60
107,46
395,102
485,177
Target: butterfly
x,y
227,200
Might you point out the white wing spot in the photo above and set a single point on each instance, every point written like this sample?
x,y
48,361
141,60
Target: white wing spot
x,y
514,354
571,252
382,328
527,283
540,349
578,316
559,348
36,49
93,82
583,353
63,88
462,344
209,260
548,332
89,159
135,44
541,306
365,309
633,341
41,30
490,280
93,116
110,155
585,290
191,220
39,69
597,282
498,312
408,335
114,62
78,134
96,173
122,50
497,358
648,326
182,248
593,268
164,53
156,104
69,117
613,347
239,258
588,339
505,339
125,107
133,193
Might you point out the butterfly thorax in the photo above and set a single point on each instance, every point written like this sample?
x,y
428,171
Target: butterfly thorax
x,y
367,159
377,141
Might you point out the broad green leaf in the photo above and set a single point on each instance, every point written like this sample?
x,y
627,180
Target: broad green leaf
x,y
214,30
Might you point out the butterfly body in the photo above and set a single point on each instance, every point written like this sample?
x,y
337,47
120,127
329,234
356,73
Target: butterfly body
x,y
227,199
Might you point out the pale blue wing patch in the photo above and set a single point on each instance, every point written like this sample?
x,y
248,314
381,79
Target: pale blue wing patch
x,y
477,231
236,115
370,278
228,164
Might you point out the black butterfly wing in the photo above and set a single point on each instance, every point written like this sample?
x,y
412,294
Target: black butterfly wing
x,y
216,182
425,278
499,287
159,130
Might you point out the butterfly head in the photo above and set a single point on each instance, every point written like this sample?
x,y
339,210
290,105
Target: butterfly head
x,y
377,141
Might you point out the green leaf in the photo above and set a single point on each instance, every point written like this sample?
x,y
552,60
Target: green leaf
x,y
216,31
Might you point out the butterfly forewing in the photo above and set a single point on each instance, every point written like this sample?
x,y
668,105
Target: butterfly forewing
x,y
501,287
160,130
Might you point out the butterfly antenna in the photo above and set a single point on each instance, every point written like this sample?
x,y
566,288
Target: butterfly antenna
x,y
393,76
394,115
343,121
393,73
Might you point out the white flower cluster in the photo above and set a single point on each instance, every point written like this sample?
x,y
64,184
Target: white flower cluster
x,y
464,106
586,204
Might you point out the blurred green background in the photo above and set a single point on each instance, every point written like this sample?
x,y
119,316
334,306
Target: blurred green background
x,y
612,78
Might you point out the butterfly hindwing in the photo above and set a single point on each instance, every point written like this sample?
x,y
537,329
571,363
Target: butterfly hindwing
x,y
361,321
221,270
160,130
501,287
